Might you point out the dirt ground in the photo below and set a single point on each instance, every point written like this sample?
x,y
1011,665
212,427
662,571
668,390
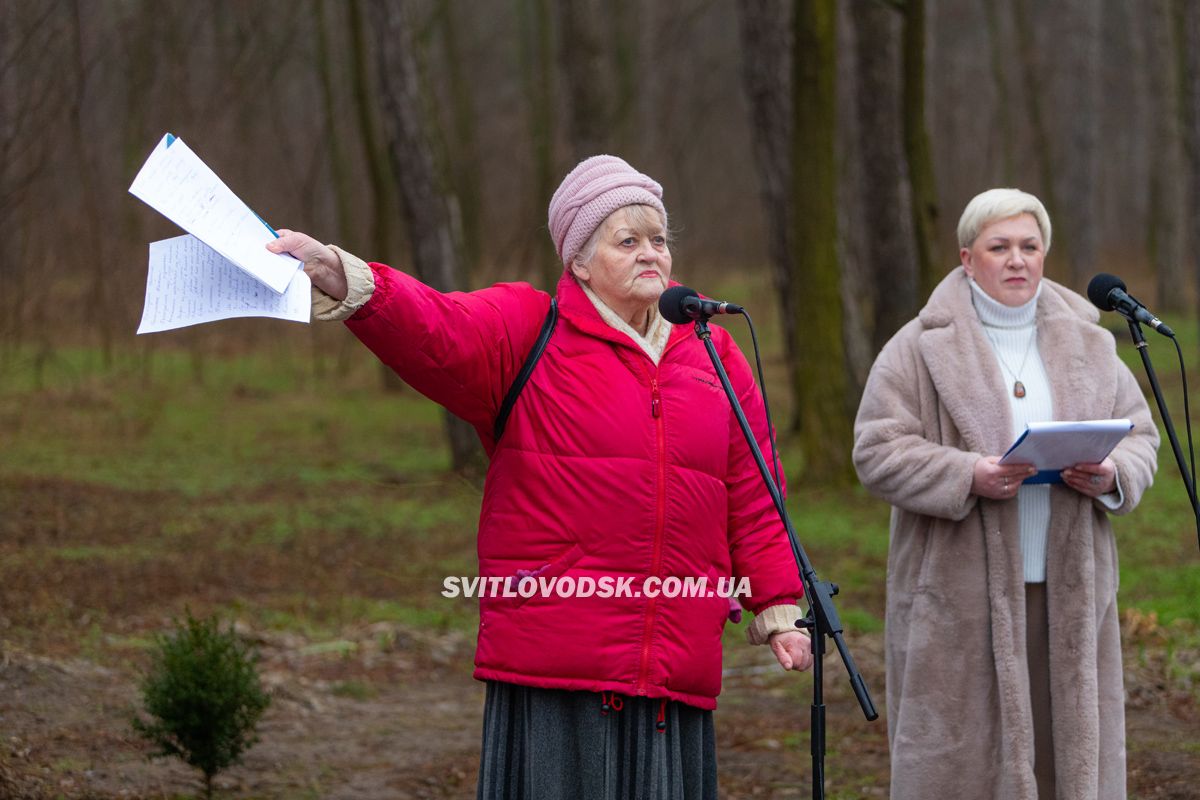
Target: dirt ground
x,y
405,724
383,710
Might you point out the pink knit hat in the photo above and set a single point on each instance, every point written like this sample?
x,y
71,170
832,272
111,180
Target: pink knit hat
x,y
596,187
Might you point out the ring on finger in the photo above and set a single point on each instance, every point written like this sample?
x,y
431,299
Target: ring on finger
x,y
1095,479
1006,483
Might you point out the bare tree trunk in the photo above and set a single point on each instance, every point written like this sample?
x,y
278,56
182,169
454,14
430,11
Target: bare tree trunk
x,y
437,255
917,149
582,64
30,41
651,88
1187,16
462,164
1031,87
536,54
819,386
998,54
623,26
766,34
1077,65
887,226
339,167
378,171
141,77
1168,194
99,303
858,287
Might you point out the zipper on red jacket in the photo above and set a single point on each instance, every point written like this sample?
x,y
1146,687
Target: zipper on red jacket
x,y
659,528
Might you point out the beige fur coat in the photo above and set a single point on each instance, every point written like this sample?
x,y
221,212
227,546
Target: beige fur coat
x,y
957,683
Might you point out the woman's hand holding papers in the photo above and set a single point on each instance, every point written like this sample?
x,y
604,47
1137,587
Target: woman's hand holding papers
x,y
1001,481
321,264
998,481
1092,479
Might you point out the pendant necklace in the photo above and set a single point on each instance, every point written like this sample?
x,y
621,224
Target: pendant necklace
x,y
1018,387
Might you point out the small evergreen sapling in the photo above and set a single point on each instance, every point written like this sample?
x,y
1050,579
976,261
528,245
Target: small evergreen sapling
x,y
203,697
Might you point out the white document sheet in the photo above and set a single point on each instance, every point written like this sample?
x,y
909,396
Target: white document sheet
x,y
181,187
190,283
1054,446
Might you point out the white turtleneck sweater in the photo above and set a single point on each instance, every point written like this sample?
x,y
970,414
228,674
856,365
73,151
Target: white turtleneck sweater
x,y
1012,332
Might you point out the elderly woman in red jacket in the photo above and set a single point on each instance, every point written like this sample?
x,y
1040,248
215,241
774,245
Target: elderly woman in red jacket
x,y
621,462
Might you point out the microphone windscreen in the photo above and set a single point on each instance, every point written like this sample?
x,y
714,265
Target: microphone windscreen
x,y
670,304
1100,287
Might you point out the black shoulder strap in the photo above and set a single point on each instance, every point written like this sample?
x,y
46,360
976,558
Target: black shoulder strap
x,y
531,361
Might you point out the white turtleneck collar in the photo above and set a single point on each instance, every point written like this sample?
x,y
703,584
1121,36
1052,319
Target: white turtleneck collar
x,y
997,315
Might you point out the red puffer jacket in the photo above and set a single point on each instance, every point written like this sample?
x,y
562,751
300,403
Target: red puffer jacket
x,y
610,466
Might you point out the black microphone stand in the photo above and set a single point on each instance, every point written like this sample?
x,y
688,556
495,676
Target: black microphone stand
x,y
822,619
1139,341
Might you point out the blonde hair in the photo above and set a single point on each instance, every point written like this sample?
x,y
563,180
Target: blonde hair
x,y
987,207
643,219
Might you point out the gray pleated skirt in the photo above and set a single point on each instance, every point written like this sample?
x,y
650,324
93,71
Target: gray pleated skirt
x,y
545,744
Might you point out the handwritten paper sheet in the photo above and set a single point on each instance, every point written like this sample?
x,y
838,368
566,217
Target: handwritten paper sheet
x,y
190,283
181,187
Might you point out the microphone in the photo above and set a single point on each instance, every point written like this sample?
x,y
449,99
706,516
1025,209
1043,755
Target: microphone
x,y
680,305
1107,292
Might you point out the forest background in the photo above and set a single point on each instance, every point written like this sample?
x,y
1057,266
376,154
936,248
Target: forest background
x,y
815,157
363,122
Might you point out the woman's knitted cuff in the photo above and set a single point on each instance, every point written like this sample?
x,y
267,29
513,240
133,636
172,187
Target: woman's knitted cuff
x,y
776,619
360,284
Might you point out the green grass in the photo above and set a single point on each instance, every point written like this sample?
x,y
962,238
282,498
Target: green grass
x,y
256,463
355,690
1158,543
244,426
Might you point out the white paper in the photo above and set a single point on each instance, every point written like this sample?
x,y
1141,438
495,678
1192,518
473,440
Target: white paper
x,y
190,283
1058,445
181,187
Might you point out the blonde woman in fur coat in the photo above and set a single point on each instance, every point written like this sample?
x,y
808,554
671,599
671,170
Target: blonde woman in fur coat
x,y
1003,652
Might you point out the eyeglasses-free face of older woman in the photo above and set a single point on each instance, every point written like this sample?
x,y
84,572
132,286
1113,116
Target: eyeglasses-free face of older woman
x,y
1006,259
631,265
